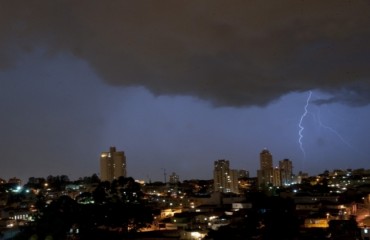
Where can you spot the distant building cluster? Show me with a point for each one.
(13, 180)
(225, 179)
(335, 201)
(268, 175)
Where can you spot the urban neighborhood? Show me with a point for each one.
(277, 204)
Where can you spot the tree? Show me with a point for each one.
(57, 218)
(99, 195)
(35, 183)
(57, 182)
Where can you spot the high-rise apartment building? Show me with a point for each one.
(276, 177)
(243, 173)
(265, 174)
(286, 172)
(265, 160)
(225, 179)
(174, 178)
(112, 165)
(220, 175)
(234, 181)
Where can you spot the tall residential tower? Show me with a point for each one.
(265, 174)
(112, 165)
(286, 169)
(225, 179)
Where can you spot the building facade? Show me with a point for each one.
(225, 179)
(286, 172)
(265, 174)
(243, 174)
(174, 178)
(234, 178)
(276, 177)
(112, 165)
(265, 160)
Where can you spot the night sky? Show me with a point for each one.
(180, 84)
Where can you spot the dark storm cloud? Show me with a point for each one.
(235, 53)
(353, 95)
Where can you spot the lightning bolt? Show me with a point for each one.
(334, 132)
(301, 128)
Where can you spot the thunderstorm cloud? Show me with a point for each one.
(233, 53)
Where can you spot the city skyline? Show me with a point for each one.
(177, 86)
